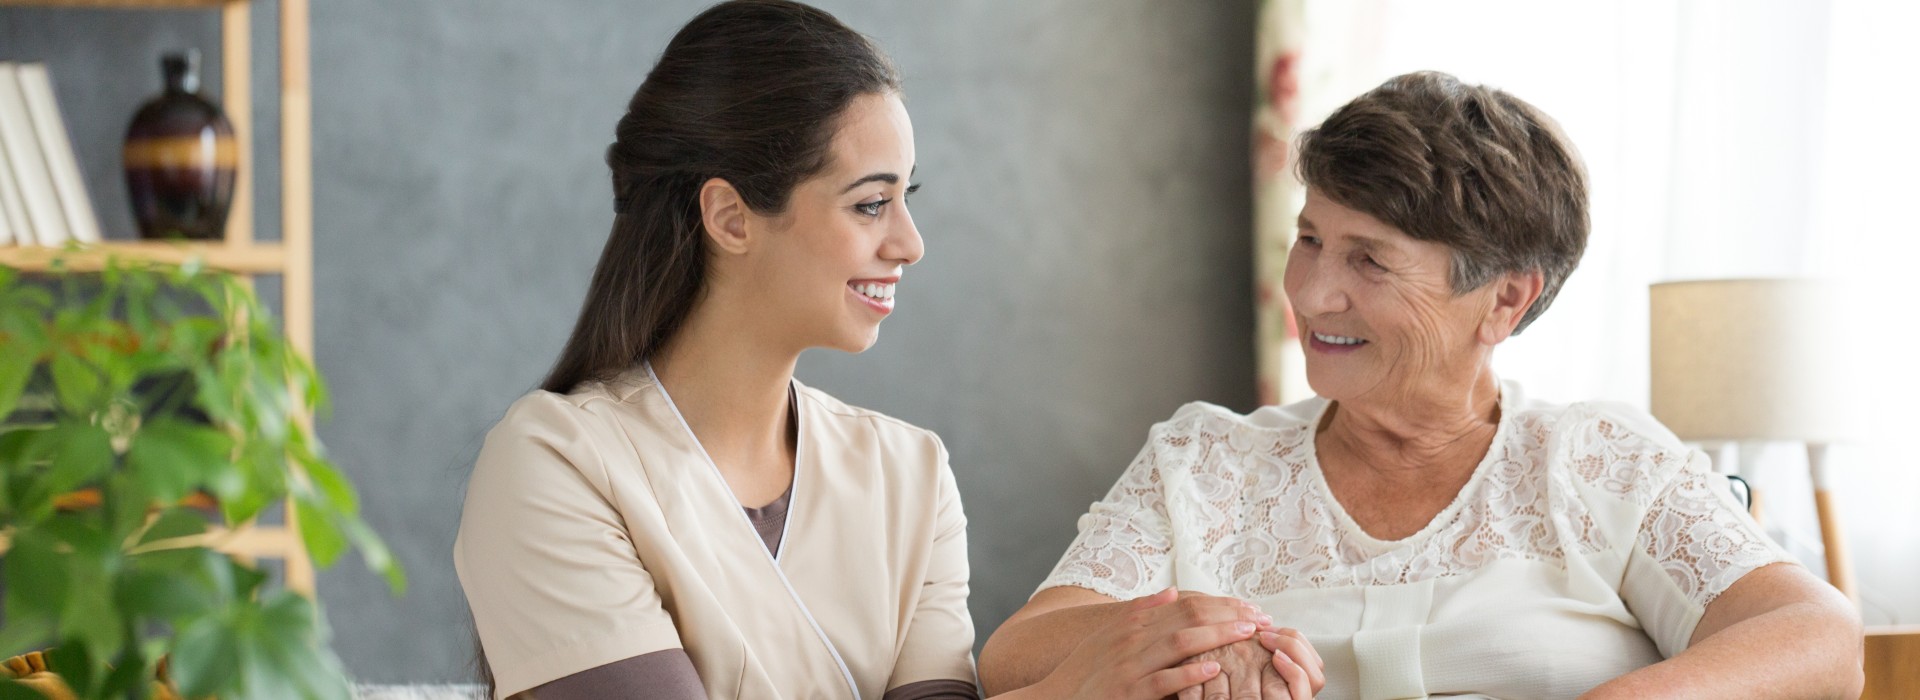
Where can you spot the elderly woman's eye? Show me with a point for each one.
(1371, 263)
(1309, 241)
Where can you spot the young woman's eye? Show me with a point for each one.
(908, 198)
(871, 208)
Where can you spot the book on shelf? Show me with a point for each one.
(63, 167)
(12, 204)
(30, 172)
(6, 225)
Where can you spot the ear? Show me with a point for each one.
(1513, 294)
(723, 215)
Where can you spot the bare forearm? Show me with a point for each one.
(1802, 650)
(1020, 654)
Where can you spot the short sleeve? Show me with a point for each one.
(553, 582)
(1693, 544)
(938, 643)
(1125, 546)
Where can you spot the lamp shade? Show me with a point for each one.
(1754, 360)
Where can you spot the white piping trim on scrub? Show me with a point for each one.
(793, 404)
(845, 674)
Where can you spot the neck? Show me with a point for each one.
(1416, 430)
(731, 387)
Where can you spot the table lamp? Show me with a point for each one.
(1760, 360)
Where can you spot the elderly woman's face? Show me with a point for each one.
(1377, 315)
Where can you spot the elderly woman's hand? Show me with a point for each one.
(1140, 654)
(1278, 665)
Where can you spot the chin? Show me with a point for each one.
(856, 342)
(1330, 388)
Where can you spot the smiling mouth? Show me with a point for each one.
(1339, 340)
(876, 294)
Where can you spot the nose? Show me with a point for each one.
(903, 243)
(1312, 289)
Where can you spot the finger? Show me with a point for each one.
(1178, 679)
(1215, 688)
(1298, 685)
(1272, 686)
(1195, 640)
(1197, 613)
(1190, 693)
(1296, 649)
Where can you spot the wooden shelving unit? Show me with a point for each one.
(257, 259)
(291, 257)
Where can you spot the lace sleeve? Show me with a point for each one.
(1700, 540)
(1125, 542)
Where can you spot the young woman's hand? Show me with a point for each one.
(1295, 661)
(1276, 665)
(1147, 652)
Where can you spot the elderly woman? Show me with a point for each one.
(1427, 528)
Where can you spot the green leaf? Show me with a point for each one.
(290, 647)
(80, 666)
(81, 452)
(376, 555)
(16, 367)
(175, 522)
(162, 595)
(130, 671)
(24, 633)
(324, 539)
(170, 458)
(333, 487)
(77, 385)
(205, 658)
(36, 575)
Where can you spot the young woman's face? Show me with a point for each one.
(835, 256)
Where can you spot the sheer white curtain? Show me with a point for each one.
(1724, 139)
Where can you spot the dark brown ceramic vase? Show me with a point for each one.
(180, 158)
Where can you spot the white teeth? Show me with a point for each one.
(1336, 339)
(874, 290)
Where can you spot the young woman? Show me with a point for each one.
(674, 516)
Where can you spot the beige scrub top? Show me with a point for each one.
(597, 529)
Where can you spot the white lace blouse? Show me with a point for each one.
(1586, 544)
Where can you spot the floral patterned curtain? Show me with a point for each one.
(1277, 196)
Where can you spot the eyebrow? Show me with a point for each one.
(1361, 241)
(888, 178)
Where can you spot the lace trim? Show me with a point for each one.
(1250, 513)
(1699, 541)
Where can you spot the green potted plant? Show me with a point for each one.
(148, 413)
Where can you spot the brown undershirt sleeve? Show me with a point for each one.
(666, 674)
(935, 690)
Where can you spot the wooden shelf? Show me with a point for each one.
(291, 257)
(124, 4)
(253, 541)
(252, 258)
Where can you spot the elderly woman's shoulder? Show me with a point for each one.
(1614, 422)
(1614, 446)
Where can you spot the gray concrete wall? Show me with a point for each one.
(1086, 212)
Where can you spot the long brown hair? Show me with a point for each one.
(748, 92)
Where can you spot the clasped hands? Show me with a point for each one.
(1195, 646)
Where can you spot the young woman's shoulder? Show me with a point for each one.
(889, 432)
